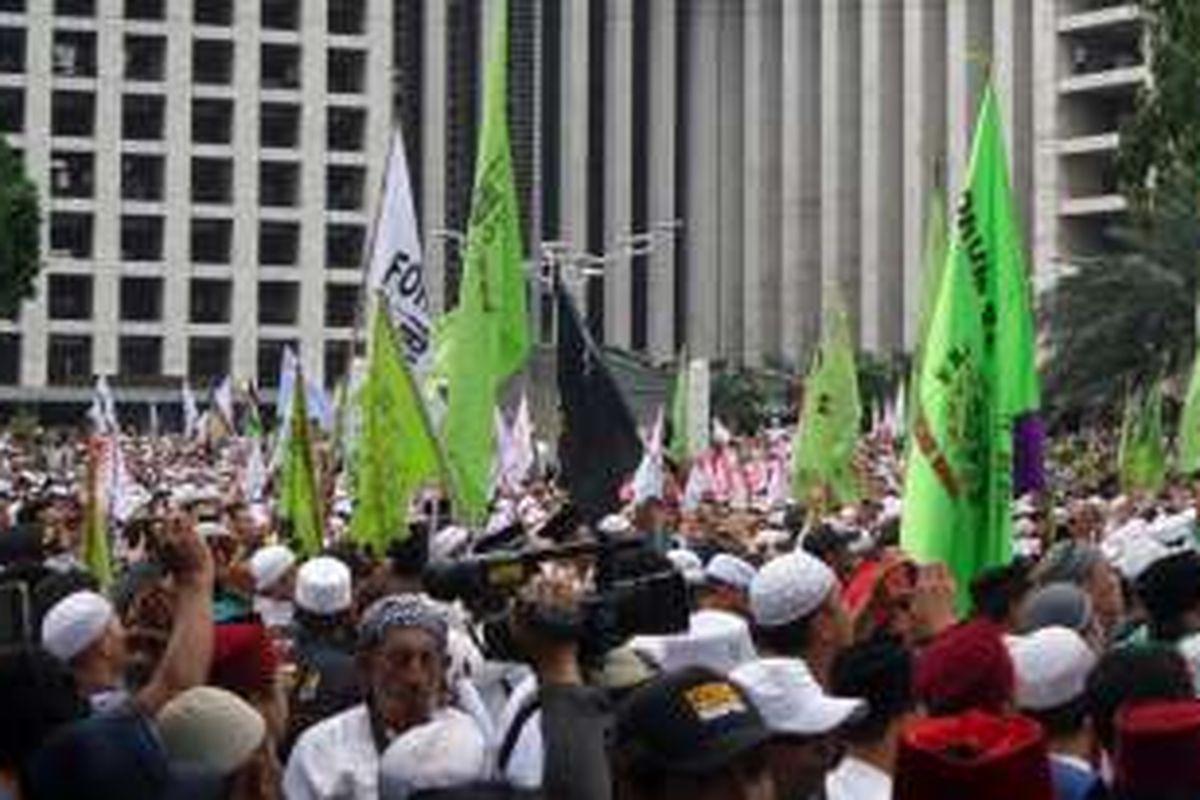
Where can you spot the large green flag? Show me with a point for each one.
(679, 447)
(398, 452)
(1189, 424)
(823, 453)
(933, 265)
(1142, 460)
(96, 556)
(978, 380)
(488, 334)
(299, 493)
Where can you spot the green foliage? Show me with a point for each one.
(20, 244)
(739, 399)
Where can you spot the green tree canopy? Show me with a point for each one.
(20, 221)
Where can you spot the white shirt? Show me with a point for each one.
(855, 779)
(336, 759)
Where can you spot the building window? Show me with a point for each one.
(12, 110)
(142, 117)
(72, 174)
(212, 12)
(279, 125)
(72, 113)
(144, 9)
(278, 303)
(346, 71)
(68, 359)
(278, 243)
(337, 362)
(212, 121)
(209, 301)
(141, 177)
(344, 246)
(139, 357)
(10, 359)
(141, 299)
(341, 305)
(12, 50)
(208, 359)
(145, 57)
(141, 237)
(70, 296)
(281, 14)
(14, 6)
(270, 356)
(344, 188)
(278, 184)
(346, 129)
(212, 241)
(212, 180)
(280, 66)
(346, 16)
(74, 54)
(71, 234)
(212, 61)
(75, 8)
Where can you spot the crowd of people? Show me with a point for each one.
(809, 658)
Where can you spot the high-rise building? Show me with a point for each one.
(207, 170)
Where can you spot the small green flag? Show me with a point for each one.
(398, 452)
(1189, 424)
(933, 265)
(299, 492)
(977, 378)
(95, 532)
(679, 448)
(487, 335)
(826, 437)
(1142, 459)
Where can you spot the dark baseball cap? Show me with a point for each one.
(693, 721)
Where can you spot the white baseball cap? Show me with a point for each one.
(75, 623)
(715, 639)
(1052, 667)
(269, 564)
(729, 570)
(789, 588)
(791, 701)
(323, 586)
(687, 563)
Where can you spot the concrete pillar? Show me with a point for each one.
(573, 133)
(433, 151)
(729, 109)
(176, 279)
(35, 142)
(664, 89)
(618, 169)
(1044, 230)
(106, 265)
(244, 328)
(703, 179)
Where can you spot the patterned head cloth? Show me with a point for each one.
(401, 611)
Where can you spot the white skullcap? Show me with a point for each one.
(615, 524)
(1052, 667)
(323, 586)
(715, 639)
(449, 543)
(687, 563)
(791, 701)
(269, 564)
(445, 752)
(789, 588)
(729, 570)
(1175, 531)
(211, 530)
(210, 728)
(75, 623)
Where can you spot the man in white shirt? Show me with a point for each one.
(881, 672)
(402, 659)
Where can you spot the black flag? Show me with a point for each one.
(599, 447)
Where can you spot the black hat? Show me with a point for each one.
(881, 672)
(1171, 586)
(693, 721)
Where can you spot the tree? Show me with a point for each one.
(20, 241)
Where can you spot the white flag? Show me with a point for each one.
(396, 268)
(223, 399)
(524, 455)
(648, 480)
(191, 414)
(699, 380)
(103, 412)
(254, 471)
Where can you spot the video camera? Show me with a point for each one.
(20, 548)
(637, 592)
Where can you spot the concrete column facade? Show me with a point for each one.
(433, 152)
(178, 177)
(731, 131)
(573, 133)
(1045, 221)
(664, 89)
(702, 83)
(33, 324)
(618, 170)
(244, 303)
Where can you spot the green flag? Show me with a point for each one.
(1142, 462)
(977, 378)
(398, 452)
(95, 533)
(679, 449)
(1189, 424)
(299, 493)
(823, 454)
(487, 336)
(933, 264)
